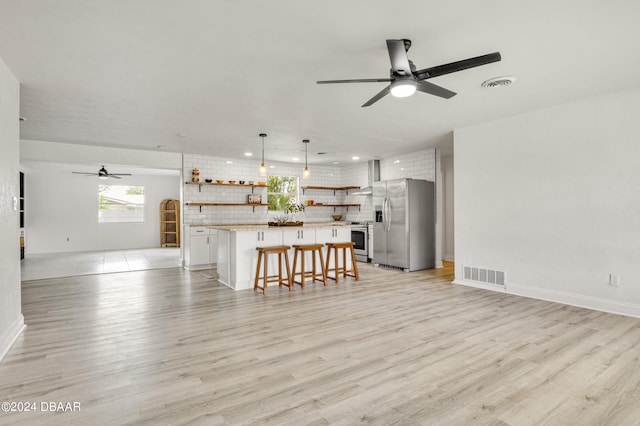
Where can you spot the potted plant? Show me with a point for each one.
(292, 207)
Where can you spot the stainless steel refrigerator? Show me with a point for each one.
(404, 224)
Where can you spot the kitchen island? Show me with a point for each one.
(236, 247)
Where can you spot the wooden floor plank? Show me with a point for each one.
(177, 347)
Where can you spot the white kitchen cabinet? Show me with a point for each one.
(338, 234)
(213, 246)
(238, 257)
(201, 248)
(243, 264)
(299, 236)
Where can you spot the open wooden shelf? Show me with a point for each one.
(330, 188)
(254, 205)
(170, 223)
(250, 185)
(334, 206)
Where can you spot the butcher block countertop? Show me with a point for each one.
(262, 227)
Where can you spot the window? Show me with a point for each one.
(120, 203)
(280, 190)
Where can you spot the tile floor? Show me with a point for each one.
(56, 265)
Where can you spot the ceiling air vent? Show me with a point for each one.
(494, 83)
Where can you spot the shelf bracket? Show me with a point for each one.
(200, 209)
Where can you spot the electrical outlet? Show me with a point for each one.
(614, 280)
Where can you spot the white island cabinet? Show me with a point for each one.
(336, 234)
(201, 247)
(243, 256)
(238, 257)
(298, 236)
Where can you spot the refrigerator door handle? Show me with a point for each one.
(387, 214)
(384, 213)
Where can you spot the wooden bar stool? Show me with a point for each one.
(313, 274)
(353, 272)
(266, 278)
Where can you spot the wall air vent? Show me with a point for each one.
(484, 275)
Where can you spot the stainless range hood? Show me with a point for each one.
(374, 176)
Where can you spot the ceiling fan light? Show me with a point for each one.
(403, 88)
(103, 177)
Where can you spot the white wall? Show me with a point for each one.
(61, 205)
(552, 197)
(11, 319)
(448, 198)
(55, 152)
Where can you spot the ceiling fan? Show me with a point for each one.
(404, 79)
(103, 174)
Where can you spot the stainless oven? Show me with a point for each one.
(359, 235)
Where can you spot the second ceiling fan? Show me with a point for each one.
(104, 174)
(404, 79)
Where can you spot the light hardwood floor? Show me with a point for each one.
(175, 347)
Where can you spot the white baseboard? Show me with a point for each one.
(474, 284)
(9, 337)
(579, 300)
(200, 267)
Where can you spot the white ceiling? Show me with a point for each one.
(136, 73)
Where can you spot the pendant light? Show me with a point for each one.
(263, 167)
(306, 173)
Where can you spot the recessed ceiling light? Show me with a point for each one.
(494, 83)
(272, 167)
(295, 159)
(355, 157)
(396, 162)
(229, 162)
(336, 162)
(248, 154)
(181, 135)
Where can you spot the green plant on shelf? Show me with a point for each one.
(292, 207)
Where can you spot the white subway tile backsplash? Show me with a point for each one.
(419, 165)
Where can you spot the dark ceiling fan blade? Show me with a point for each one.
(433, 89)
(119, 174)
(114, 176)
(86, 174)
(361, 80)
(398, 56)
(381, 94)
(457, 66)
